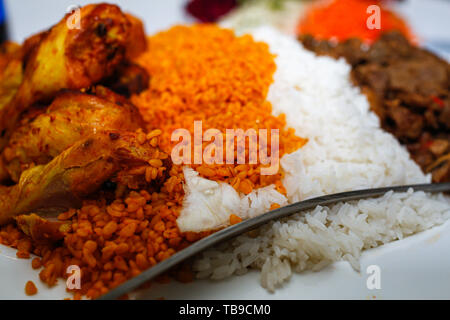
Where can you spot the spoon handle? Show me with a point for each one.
(247, 225)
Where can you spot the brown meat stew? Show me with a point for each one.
(408, 88)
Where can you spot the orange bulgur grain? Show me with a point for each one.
(206, 73)
(30, 288)
(36, 263)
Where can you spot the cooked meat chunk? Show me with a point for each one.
(408, 125)
(408, 88)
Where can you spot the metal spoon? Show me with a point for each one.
(253, 223)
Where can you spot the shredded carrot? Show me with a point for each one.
(344, 19)
(234, 219)
(274, 206)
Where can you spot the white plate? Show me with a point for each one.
(417, 267)
(414, 268)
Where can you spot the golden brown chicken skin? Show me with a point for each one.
(68, 58)
(11, 73)
(77, 172)
(137, 42)
(71, 117)
(42, 230)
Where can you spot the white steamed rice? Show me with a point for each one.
(347, 150)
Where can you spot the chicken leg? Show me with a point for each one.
(71, 117)
(75, 173)
(69, 58)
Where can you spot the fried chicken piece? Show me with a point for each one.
(69, 58)
(71, 117)
(129, 79)
(11, 73)
(8, 50)
(137, 42)
(42, 230)
(29, 46)
(75, 173)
